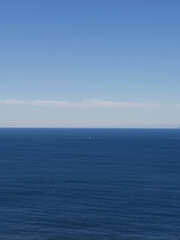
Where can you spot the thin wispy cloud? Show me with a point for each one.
(83, 103)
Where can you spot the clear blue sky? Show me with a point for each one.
(90, 63)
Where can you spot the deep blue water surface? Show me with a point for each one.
(89, 184)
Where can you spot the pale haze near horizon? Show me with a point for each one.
(90, 63)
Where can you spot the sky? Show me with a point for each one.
(90, 63)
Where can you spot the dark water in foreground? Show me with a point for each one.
(60, 184)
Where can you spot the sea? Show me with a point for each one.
(89, 184)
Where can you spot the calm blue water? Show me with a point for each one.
(60, 184)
